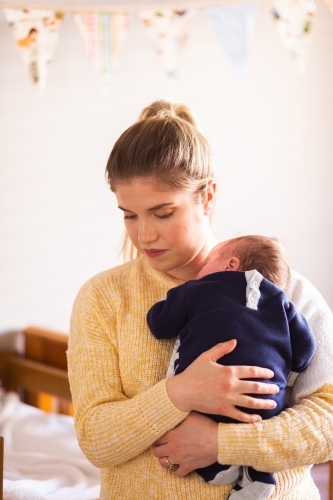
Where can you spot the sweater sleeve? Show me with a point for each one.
(270, 445)
(167, 317)
(111, 428)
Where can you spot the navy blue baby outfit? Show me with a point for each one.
(270, 333)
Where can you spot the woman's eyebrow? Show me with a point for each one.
(124, 209)
(156, 207)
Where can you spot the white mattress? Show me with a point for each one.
(42, 458)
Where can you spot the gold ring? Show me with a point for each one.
(171, 467)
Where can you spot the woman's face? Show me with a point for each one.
(168, 226)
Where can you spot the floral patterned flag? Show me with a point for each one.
(234, 25)
(294, 19)
(36, 34)
(103, 34)
(169, 31)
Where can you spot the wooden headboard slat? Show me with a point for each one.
(36, 377)
(46, 334)
(45, 346)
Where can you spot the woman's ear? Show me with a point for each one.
(210, 197)
(233, 264)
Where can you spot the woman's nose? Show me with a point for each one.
(147, 233)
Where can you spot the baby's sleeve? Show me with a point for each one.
(302, 339)
(167, 317)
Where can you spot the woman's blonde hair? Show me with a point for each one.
(164, 145)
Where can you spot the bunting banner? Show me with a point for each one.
(169, 31)
(103, 34)
(234, 25)
(36, 35)
(294, 19)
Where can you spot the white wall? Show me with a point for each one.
(272, 140)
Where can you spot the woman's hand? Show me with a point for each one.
(209, 387)
(192, 444)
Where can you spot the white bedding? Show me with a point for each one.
(42, 458)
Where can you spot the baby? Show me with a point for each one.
(250, 306)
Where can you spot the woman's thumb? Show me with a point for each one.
(220, 350)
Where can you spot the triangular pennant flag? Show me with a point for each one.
(294, 19)
(234, 25)
(103, 34)
(169, 31)
(36, 33)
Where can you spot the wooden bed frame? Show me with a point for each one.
(40, 377)
(40, 374)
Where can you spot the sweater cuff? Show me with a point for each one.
(238, 444)
(158, 411)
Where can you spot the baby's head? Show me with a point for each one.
(245, 253)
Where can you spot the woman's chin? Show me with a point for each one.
(157, 265)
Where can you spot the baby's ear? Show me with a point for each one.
(233, 264)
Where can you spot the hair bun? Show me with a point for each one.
(167, 110)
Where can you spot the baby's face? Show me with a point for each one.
(214, 262)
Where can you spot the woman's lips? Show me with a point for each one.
(152, 254)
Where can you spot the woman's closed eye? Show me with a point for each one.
(158, 216)
(164, 216)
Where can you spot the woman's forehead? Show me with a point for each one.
(147, 194)
(142, 183)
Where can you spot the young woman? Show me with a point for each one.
(146, 432)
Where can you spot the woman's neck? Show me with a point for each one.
(190, 270)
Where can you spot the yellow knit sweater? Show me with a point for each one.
(117, 376)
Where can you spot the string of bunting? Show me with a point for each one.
(117, 6)
(103, 30)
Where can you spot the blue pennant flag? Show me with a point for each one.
(234, 26)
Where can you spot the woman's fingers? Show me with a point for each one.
(254, 387)
(246, 372)
(219, 350)
(160, 450)
(209, 387)
(166, 464)
(251, 403)
(190, 445)
(159, 442)
(245, 418)
(176, 469)
(183, 470)
(252, 372)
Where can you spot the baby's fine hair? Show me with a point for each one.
(164, 145)
(266, 255)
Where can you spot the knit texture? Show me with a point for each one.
(117, 376)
